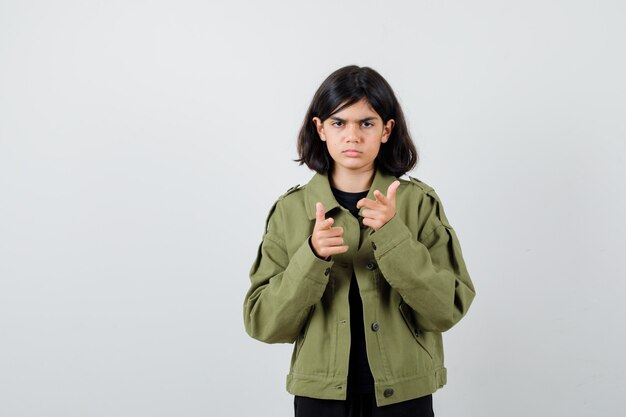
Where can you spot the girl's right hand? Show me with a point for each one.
(326, 240)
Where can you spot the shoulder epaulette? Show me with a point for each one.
(289, 191)
(431, 192)
(425, 187)
(285, 194)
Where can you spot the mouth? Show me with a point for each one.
(351, 152)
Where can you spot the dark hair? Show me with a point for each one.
(341, 89)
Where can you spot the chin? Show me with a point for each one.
(358, 167)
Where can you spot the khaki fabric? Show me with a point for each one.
(412, 279)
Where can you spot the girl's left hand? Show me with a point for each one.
(378, 212)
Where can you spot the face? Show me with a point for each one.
(353, 137)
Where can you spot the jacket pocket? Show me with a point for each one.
(405, 311)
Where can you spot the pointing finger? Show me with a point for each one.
(331, 232)
(380, 197)
(365, 202)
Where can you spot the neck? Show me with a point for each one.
(350, 181)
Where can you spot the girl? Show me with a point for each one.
(360, 270)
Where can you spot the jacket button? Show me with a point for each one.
(327, 271)
(375, 326)
(371, 266)
(388, 392)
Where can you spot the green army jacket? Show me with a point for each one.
(412, 279)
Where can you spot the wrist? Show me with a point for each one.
(315, 252)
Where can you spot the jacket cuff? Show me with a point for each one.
(310, 265)
(389, 236)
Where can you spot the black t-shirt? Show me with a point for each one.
(360, 379)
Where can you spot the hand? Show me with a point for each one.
(326, 240)
(378, 212)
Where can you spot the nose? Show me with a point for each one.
(352, 132)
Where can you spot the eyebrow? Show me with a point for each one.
(339, 119)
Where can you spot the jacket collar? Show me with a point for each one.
(318, 189)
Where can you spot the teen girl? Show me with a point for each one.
(360, 270)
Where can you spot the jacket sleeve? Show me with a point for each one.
(283, 288)
(427, 270)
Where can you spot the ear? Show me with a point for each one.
(319, 125)
(387, 130)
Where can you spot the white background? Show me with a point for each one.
(143, 142)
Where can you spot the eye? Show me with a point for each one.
(368, 124)
(337, 123)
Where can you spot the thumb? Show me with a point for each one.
(391, 192)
